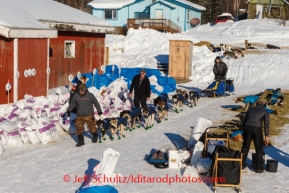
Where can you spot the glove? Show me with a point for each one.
(99, 113)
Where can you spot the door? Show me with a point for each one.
(159, 14)
(178, 61)
(259, 11)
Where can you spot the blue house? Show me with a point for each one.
(163, 15)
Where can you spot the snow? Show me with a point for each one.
(32, 12)
(41, 168)
(109, 4)
(199, 7)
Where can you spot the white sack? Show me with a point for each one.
(13, 138)
(24, 117)
(203, 166)
(23, 134)
(46, 131)
(1, 147)
(7, 125)
(63, 110)
(199, 128)
(28, 101)
(190, 171)
(68, 126)
(12, 108)
(197, 153)
(3, 138)
(33, 137)
(108, 162)
(12, 117)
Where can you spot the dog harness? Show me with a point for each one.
(195, 95)
(152, 110)
(135, 112)
(121, 120)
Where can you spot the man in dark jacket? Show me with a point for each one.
(84, 101)
(142, 90)
(252, 129)
(220, 69)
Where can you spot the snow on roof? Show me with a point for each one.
(164, 2)
(109, 4)
(32, 14)
(196, 6)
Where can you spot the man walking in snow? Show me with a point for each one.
(142, 90)
(220, 69)
(252, 125)
(83, 100)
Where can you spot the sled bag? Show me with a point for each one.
(228, 170)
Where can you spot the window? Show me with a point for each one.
(153, 1)
(188, 16)
(141, 15)
(69, 49)
(110, 14)
(275, 12)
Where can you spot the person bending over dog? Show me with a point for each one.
(84, 101)
(252, 129)
(220, 69)
(141, 86)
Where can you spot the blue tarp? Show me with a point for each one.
(168, 83)
(98, 189)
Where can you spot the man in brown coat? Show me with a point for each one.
(84, 101)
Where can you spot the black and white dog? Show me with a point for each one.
(103, 126)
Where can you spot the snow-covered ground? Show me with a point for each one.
(41, 168)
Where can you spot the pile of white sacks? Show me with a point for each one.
(41, 119)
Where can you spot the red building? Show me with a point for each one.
(40, 48)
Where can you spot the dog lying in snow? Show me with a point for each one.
(149, 114)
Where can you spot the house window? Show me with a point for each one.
(69, 49)
(275, 12)
(153, 1)
(188, 16)
(141, 15)
(110, 14)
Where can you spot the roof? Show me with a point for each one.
(267, 1)
(164, 3)
(196, 6)
(43, 17)
(109, 4)
(117, 4)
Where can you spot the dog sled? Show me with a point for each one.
(211, 140)
(227, 168)
(219, 88)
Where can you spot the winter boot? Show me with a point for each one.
(95, 137)
(80, 140)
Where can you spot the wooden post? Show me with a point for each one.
(106, 56)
